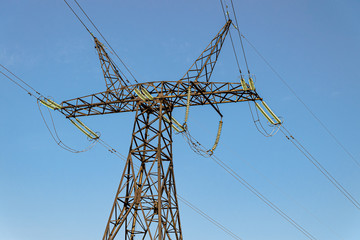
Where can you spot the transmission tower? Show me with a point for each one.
(146, 204)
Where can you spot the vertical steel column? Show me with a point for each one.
(146, 205)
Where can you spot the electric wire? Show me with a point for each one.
(236, 57)
(257, 122)
(282, 192)
(308, 155)
(20, 80)
(207, 217)
(197, 147)
(303, 103)
(182, 199)
(289, 197)
(31, 94)
(123, 63)
(56, 137)
(222, 6)
(294, 141)
(231, 172)
(239, 33)
(252, 189)
(226, 16)
(112, 150)
(94, 37)
(309, 236)
(319, 166)
(78, 17)
(239, 179)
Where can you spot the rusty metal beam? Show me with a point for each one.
(174, 92)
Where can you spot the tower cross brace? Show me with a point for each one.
(145, 204)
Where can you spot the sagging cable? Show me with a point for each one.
(84, 129)
(211, 151)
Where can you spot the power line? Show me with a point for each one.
(78, 17)
(207, 217)
(28, 89)
(321, 168)
(112, 150)
(238, 178)
(123, 63)
(236, 57)
(262, 197)
(231, 39)
(286, 195)
(252, 189)
(292, 139)
(192, 206)
(289, 197)
(303, 103)
(32, 92)
(238, 30)
(56, 137)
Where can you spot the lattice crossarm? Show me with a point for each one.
(175, 93)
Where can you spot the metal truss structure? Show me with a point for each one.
(146, 205)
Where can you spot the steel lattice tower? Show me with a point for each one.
(146, 205)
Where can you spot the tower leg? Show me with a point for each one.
(146, 206)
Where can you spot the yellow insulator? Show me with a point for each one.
(243, 84)
(271, 112)
(86, 127)
(173, 126)
(265, 114)
(217, 138)
(251, 83)
(176, 122)
(47, 104)
(147, 94)
(81, 129)
(177, 129)
(54, 103)
(187, 105)
(137, 91)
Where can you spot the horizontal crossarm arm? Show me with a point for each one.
(176, 93)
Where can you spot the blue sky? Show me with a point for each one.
(48, 193)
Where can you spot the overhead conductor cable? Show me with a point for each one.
(114, 151)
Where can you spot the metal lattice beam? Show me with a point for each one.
(174, 92)
(146, 205)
